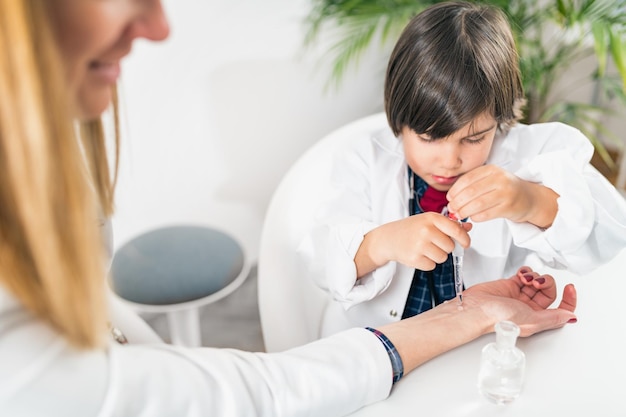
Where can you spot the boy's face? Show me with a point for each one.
(440, 162)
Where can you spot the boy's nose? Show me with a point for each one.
(450, 157)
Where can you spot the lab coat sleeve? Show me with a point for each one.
(42, 375)
(330, 377)
(590, 225)
(342, 220)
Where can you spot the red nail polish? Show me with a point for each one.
(528, 277)
(541, 280)
(572, 320)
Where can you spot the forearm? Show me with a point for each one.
(425, 336)
(543, 206)
(367, 257)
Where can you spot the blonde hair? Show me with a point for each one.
(55, 181)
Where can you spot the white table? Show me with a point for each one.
(579, 370)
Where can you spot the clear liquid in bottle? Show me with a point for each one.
(502, 366)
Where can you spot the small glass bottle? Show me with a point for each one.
(502, 366)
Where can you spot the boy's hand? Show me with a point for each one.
(490, 192)
(420, 241)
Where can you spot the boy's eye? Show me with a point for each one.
(475, 139)
(470, 140)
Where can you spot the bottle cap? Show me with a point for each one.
(506, 334)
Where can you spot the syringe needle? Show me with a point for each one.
(457, 261)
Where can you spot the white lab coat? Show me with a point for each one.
(40, 375)
(370, 187)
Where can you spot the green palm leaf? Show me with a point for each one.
(551, 36)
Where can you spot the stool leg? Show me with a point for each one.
(184, 327)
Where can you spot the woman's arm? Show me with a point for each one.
(332, 376)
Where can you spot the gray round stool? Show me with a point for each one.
(176, 270)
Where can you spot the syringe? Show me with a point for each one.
(457, 261)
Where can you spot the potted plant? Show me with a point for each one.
(552, 36)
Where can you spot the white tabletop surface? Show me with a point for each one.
(579, 370)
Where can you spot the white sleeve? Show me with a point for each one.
(330, 377)
(590, 225)
(329, 251)
(134, 328)
(343, 218)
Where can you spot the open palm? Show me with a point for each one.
(534, 294)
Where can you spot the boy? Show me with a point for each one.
(453, 96)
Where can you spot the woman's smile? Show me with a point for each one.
(107, 72)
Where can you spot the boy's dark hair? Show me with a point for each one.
(453, 61)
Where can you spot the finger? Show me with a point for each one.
(545, 283)
(423, 263)
(452, 229)
(533, 295)
(520, 279)
(538, 291)
(525, 276)
(542, 290)
(485, 207)
(468, 201)
(470, 187)
(548, 320)
(442, 245)
(569, 299)
(436, 253)
(466, 180)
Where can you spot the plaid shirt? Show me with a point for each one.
(428, 288)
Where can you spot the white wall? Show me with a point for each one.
(215, 115)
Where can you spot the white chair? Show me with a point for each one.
(175, 270)
(290, 307)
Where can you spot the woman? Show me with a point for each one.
(60, 60)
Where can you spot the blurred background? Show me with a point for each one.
(215, 115)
